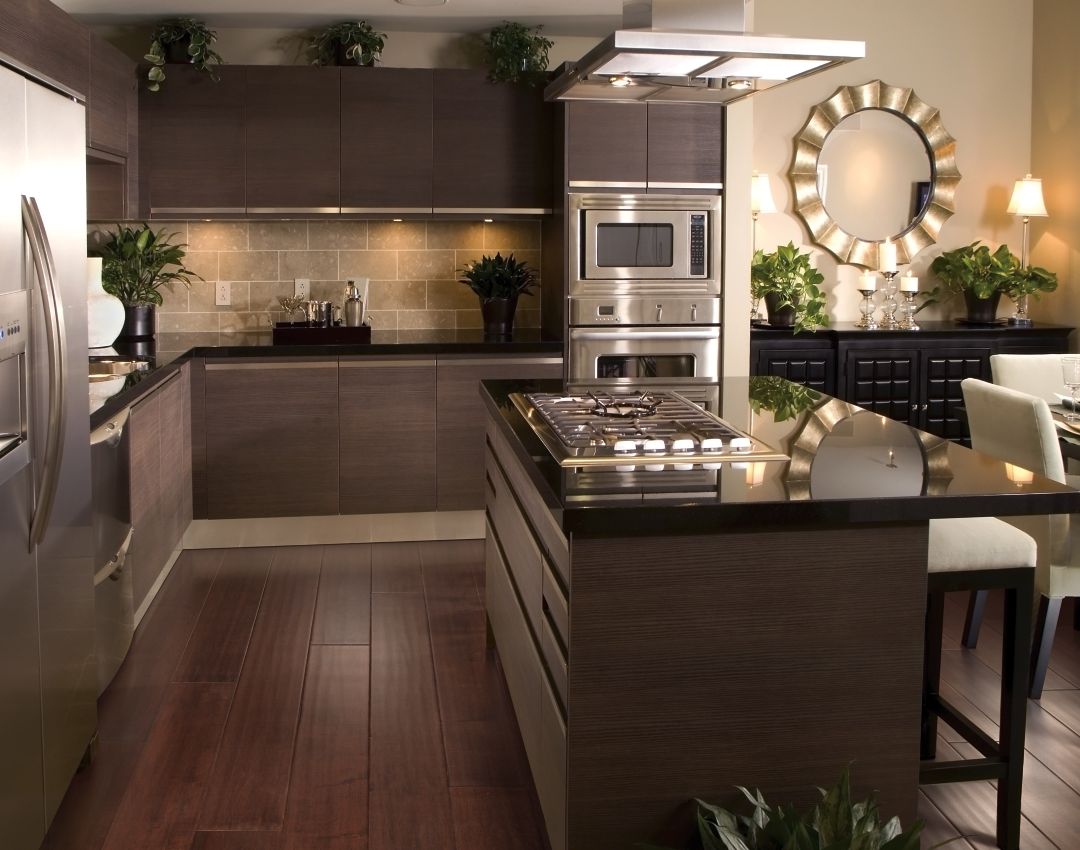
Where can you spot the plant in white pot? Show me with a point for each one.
(498, 281)
(137, 262)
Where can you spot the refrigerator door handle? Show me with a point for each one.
(56, 339)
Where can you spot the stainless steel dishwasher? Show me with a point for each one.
(113, 592)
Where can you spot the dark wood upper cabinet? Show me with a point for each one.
(686, 143)
(47, 41)
(112, 83)
(492, 144)
(293, 139)
(191, 143)
(607, 142)
(386, 138)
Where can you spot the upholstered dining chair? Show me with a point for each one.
(1036, 374)
(1018, 428)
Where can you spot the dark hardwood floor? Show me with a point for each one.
(343, 698)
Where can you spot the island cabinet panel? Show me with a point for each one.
(271, 437)
(112, 83)
(292, 139)
(607, 143)
(387, 435)
(45, 40)
(191, 143)
(492, 144)
(686, 144)
(160, 481)
(460, 416)
(386, 138)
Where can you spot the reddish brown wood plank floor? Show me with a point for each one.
(343, 698)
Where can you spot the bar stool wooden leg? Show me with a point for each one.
(1014, 676)
(973, 621)
(935, 624)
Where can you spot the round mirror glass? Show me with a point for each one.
(874, 174)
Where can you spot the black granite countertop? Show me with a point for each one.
(926, 329)
(164, 354)
(847, 465)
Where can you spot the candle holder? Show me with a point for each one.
(908, 307)
(867, 322)
(888, 306)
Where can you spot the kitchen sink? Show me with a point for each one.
(100, 369)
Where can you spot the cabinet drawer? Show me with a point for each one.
(549, 773)
(555, 605)
(554, 657)
(516, 539)
(520, 661)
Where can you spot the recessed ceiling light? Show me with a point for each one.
(421, 2)
(621, 82)
(488, 220)
(395, 219)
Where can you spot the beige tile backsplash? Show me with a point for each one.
(412, 266)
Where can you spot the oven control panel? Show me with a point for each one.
(14, 328)
(704, 310)
(697, 244)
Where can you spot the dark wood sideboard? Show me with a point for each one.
(911, 376)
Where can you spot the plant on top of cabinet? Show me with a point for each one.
(790, 286)
(137, 263)
(180, 41)
(516, 53)
(347, 43)
(498, 281)
(981, 277)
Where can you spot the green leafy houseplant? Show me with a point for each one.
(347, 43)
(184, 34)
(516, 53)
(137, 262)
(976, 271)
(786, 279)
(835, 823)
(783, 398)
(498, 277)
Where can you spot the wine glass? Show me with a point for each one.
(1070, 371)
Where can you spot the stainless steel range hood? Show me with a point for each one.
(680, 65)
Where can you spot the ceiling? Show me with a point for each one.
(559, 17)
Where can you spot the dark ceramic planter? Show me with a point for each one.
(176, 53)
(138, 322)
(498, 316)
(341, 59)
(981, 311)
(778, 317)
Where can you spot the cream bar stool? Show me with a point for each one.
(978, 555)
(1018, 428)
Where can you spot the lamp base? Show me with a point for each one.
(1023, 323)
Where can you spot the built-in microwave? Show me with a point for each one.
(671, 238)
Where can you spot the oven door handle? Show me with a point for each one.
(611, 335)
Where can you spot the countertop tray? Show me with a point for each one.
(286, 333)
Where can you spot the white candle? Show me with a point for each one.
(868, 282)
(909, 283)
(887, 256)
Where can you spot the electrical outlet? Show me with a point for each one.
(302, 288)
(223, 294)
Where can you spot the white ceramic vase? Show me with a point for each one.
(104, 312)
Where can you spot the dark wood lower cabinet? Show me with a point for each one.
(913, 377)
(160, 446)
(459, 445)
(271, 431)
(387, 435)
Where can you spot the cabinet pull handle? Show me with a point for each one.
(315, 364)
(374, 363)
(495, 360)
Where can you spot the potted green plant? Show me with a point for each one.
(981, 276)
(136, 263)
(789, 283)
(180, 41)
(835, 823)
(498, 281)
(516, 53)
(347, 43)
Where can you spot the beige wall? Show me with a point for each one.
(969, 58)
(1055, 150)
(412, 265)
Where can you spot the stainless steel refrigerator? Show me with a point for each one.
(48, 710)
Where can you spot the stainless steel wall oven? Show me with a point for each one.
(645, 291)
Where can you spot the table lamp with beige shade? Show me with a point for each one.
(1026, 201)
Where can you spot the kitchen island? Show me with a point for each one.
(668, 634)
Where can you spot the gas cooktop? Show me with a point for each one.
(654, 428)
